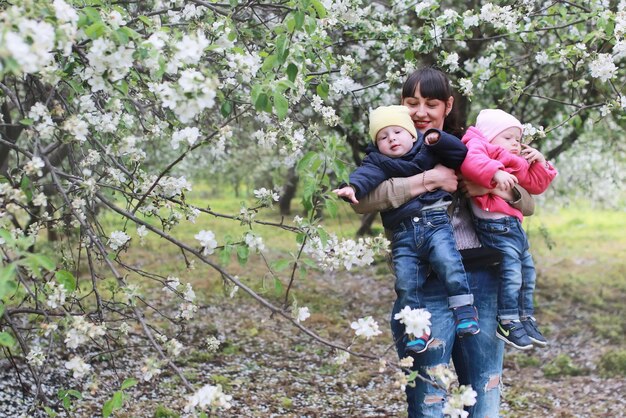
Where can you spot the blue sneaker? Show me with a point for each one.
(418, 345)
(466, 320)
(513, 333)
(530, 326)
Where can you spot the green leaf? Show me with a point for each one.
(6, 339)
(107, 408)
(278, 286)
(92, 14)
(292, 72)
(27, 121)
(281, 48)
(269, 63)
(331, 207)
(26, 187)
(122, 86)
(225, 254)
(67, 279)
(129, 32)
(96, 30)
(50, 411)
(280, 265)
(7, 282)
(129, 383)
(261, 102)
(226, 108)
(43, 261)
(281, 104)
(322, 90)
(2, 307)
(298, 19)
(305, 161)
(319, 8)
(145, 20)
(284, 85)
(112, 404)
(243, 252)
(255, 92)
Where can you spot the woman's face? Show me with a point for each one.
(427, 112)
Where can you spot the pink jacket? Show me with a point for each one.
(484, 159)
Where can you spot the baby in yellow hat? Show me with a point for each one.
(422, 233)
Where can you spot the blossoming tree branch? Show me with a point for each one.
(112, 109)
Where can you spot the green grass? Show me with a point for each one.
(578, 253)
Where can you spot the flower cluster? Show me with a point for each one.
(78, 367)
(346, 252)
(118, 239)
(208, 397)
(416, 321)
(193, 93)
(266, 197)
(82, 330)
(300, 314)
(207, 241)
(365, 327)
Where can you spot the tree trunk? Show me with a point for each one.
(366, 224)
(289, 191)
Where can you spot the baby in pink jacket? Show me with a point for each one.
(497, 158)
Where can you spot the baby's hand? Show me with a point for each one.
(432, 138)
(504, 181)
(532, 155)
(347, 192)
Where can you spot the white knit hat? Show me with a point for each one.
(490, 122)
(384, 116)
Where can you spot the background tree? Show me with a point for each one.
(113, 109)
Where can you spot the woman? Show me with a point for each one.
(428, 95)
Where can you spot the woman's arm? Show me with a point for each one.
(397, 191)
(517, 197)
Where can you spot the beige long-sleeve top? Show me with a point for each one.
(396, 191)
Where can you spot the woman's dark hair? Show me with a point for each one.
(434, 84)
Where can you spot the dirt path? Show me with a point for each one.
(272, 371)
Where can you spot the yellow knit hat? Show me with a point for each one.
(384, 116)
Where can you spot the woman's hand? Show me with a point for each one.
(441, 177)
(471, 189)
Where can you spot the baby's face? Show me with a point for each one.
(509, 139)
(394, 141)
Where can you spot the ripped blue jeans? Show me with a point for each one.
(477, 359)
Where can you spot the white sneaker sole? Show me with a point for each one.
(519, 347)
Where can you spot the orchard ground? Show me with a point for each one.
(271, 369)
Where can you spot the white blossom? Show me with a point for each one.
(150, 369)
(34, 167)
(451, 61)
(210, 397)
(301, 314)
(603, 67)
(406, 362)
(212, 344)
(255, 243)
(416, 321)
(458, 400)
(341, 358)
(57, 296)
(117, 240)
(35, 356)
(78, 367)
(174, 347)
(365, 327)
(207, 241)
(466, 87)
(541, 57)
